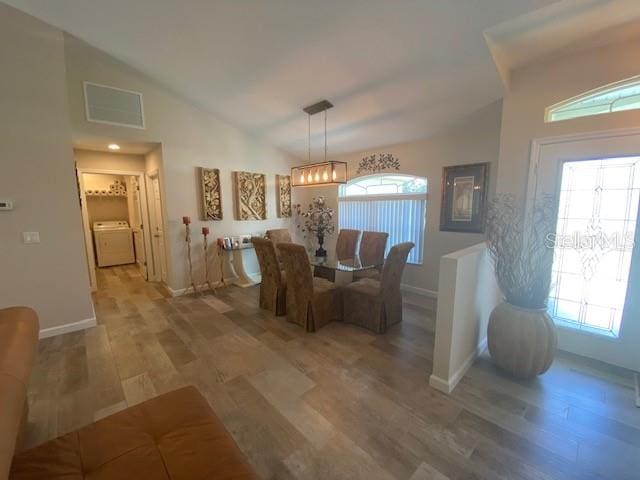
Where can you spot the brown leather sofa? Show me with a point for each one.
(18, 341)
(173, 436)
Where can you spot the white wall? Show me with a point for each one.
(468, 294)
(42, 85)
(104, 208)
(36, 172)
(540, 85)
(89, 159)
(97, 181)
(190, 137)
(474, 140)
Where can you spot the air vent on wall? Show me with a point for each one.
(112, 105)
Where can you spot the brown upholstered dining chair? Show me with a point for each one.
(374, 304)
(372, 246)
(279, 235)
(273, 288)
(347, 243)
(311, 302)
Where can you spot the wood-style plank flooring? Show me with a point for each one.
(342, 403)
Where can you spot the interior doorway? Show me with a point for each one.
(114, 212)
(121, 208)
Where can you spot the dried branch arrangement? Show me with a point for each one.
(518, 244)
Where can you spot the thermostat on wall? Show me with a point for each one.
(6, 204)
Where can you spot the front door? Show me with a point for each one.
(594, 297)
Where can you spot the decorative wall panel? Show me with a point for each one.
(211, 195)
(249, 195)
(283, 191)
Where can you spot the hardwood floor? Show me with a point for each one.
(342, 403)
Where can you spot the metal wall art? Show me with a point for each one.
(378, 162)
(249, 194)
(211, 195)
(283, 189)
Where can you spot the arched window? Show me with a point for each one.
(617, 97)
(396, 204)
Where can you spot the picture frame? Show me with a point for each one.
(283, 192)
(250, 195)
(211, 194)
(464, 198)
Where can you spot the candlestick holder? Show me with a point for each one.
(220, 245)
(187, 237)
(205, 234)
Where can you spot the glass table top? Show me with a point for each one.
(331, 262)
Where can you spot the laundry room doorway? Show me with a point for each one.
(119, 216)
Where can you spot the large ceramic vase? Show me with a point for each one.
(521, 341)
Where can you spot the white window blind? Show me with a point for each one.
(402, 218)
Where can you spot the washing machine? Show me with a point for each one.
(114, 243)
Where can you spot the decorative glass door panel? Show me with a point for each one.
(593, 244)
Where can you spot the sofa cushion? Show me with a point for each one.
(18, 344)
(18, 341)
(173, 436)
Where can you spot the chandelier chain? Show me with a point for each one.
(325, 135)
(309, 138)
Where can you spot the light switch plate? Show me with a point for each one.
(31, 237)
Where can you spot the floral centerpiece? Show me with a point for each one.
(316, 220)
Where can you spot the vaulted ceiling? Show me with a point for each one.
(395, 70)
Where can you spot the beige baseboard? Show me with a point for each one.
(447, 385)
(228, 281)
(181, 291)
(67, 328)
(418, 290)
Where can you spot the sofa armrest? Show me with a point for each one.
(18, 344)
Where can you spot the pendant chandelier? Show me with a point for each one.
(324, 173)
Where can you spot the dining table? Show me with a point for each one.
(339, 270)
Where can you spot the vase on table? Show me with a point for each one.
(316, 221)
(321, 252)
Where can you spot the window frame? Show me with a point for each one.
(378, 197)
(359, 179)
(612, 87)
